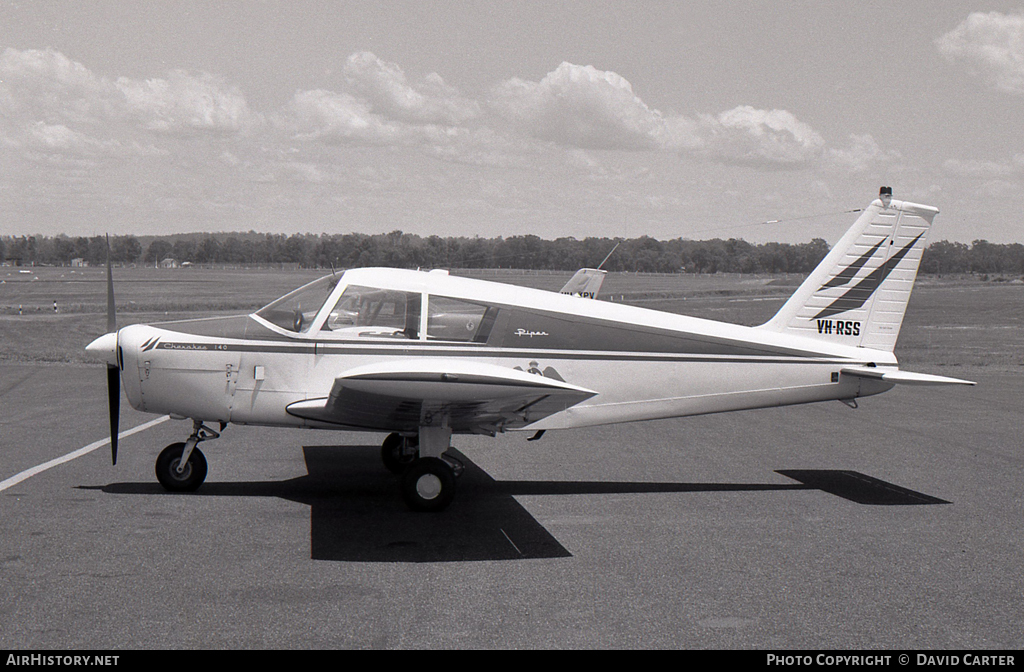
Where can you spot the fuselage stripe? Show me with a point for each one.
(402, 351)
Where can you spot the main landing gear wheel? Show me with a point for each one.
(190, 478)
(428, 484)
(398, 452)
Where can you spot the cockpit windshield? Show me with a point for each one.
(295, 311)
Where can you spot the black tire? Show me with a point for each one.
(167, 464)
(428, 484)
(398, 452)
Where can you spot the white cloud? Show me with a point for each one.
(46, 86)
(58, 136)
(383, 86)
(681, 133)
(52, 105)
(378, 106)
(230, 159)
(580, 106)
(185, 102)
(486, 147)
(760, 137)
(861, 154)
(304, 172)
(325, 113)
(573, 106)
(992, 44)
(342, 117)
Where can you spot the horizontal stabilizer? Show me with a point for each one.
(903, 377)
(468, 397)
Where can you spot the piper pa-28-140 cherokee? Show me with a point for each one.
(423, 355)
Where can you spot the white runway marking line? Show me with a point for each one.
(29, 473)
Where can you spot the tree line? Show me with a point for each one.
(404, 250)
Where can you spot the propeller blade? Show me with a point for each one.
(114, 402)
(113, 371)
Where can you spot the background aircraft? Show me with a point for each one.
(586, 282)
(425, 355)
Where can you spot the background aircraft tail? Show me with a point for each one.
(859, 292)
(586, 283)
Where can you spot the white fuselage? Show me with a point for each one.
(249, 373)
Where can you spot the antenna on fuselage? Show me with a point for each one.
(608, 256)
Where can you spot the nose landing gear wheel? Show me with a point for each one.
(190, 478)
(428, 484)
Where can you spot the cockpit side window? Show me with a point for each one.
(370, 312)
(295, 311)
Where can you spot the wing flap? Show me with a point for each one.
(469, 397)
(902, 377)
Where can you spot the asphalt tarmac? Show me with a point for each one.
(896, 526)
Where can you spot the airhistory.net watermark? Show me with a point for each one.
(57, 660)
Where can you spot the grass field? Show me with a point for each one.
(950, 321)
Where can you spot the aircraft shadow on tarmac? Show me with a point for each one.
(357, 515)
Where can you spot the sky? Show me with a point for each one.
(768, 121)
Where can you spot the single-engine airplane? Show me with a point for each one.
(423, 355)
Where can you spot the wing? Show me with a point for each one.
(406, 395)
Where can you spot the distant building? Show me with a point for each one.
(169, 263)
(79, 262)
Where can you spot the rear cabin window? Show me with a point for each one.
(370, 312)
(459, 320)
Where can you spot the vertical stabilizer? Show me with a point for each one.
(586, 283)
(859, 292)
